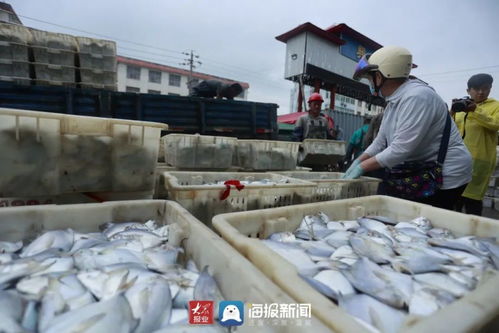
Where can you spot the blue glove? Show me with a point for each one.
(352, 166)
(354, 172)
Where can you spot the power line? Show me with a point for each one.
(460, 71)
(100, 35)
(192, 63)
(148, 52)
(138, 44)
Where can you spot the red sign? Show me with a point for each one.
(201, 312)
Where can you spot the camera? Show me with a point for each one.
(461, 104)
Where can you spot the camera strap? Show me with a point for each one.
(464, 125)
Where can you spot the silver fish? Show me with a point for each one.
(465, 276)
(422, 223)
(12, 307)
(367, 247)
(467, 244)
(10, 247)
(493, 250)
(418, 259)
(335, 281)
(317, 248)
(5, 258)
(373, 225)
(293, 254)
(206, 288)
(310, 227)
(179, 316)
(110, 229)
(423, 303)
(283, 237)
(113, 315)
(151, 304)
(462, 258)
(373, 312)
(339, 238)
(440, 233)
(363, 275)
(345, 254)
(30, 317)
(92, 258)
(146, 237)
(161, 258)
(55, 239)
(384, 219)
(443, 282)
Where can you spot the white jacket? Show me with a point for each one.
(412, 128)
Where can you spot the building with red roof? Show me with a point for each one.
(140, 76)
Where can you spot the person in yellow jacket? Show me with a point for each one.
(478, 125)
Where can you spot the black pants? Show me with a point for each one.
(444, 198)
(471, 206)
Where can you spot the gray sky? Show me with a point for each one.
(450, 39)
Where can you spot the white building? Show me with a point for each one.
(145, 77)
(7, 14)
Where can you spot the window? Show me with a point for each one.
(155, 76)
(133, 89)
(150, 91)
(359, 103)
(174, 80)
(133, 72)
(241, 95)
(173, 94)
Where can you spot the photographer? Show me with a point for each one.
(417, 144)
(478, 121)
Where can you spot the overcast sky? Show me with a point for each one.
(450, 39)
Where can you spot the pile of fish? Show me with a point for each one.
(123, 279)
(380, 270)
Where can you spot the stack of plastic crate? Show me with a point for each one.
(14, 56)
(54, 57)
(97, 63)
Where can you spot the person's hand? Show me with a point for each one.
(350, 169)
(354, 173)
(470, 107)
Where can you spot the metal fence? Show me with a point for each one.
(347, 121)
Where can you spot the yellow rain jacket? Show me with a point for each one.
(481, 139)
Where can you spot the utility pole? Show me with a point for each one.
(192, 63)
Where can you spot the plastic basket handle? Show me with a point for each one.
(228, 183)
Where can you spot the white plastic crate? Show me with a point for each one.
(49, 74)
(199, 152)
(47, 154)
(260, 155)
(321, 152)
(97, 77)
(14, 70)
(203, 201)
(235, 276)
(75, 198)
(469, 314)
(14, 41)
(53, 48)
(97, 53)
(330, 186)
